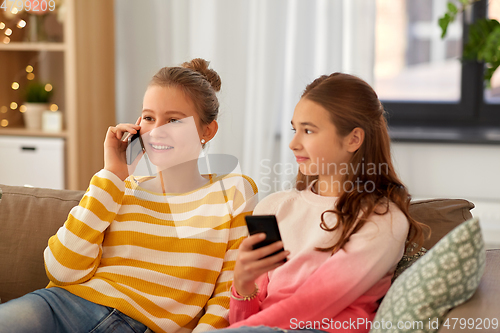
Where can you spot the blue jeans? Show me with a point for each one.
(57, 310)
(265, 329)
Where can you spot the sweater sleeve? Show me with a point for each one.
(73, 253)
(347, 275)
(241, 309)
(217, 307)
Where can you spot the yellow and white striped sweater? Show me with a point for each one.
(166, 261)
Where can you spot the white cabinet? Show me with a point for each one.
(32, 161)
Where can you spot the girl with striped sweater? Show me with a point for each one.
(141, 254)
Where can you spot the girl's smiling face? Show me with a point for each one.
(317, 147)
(170, 127)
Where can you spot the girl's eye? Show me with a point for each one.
(294, 130)
(308, 131)
(175, 120)
(147, 118)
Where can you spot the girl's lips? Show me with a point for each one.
(160, 147)
(301, 158)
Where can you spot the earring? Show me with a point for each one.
(202, 141)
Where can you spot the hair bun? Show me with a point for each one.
(201, 66)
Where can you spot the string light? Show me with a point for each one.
(21, 24)
(54, 107)
(22, 108)
(29, 69)
(2, 25)
(6, 40)
(4, 123)
(30, 76)
(48, 87)
(8, 32)
(15, 85)
(3, 109)
(13, 105)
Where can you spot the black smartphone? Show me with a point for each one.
(135, 147)
(266, 224)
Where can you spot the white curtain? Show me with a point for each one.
(266, 52)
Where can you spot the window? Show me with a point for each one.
(429, 93)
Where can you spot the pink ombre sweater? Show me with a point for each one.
(314, 289)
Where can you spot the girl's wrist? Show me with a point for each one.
(122, 176)
(245, 296)
(245, 288)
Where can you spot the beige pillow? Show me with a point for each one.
(442, 215)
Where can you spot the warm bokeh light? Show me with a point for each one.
(30, 76)
(2, 25)
(4, 123)
(29, 69)
(8, 32)
(54, 107)
(48, 87)
(13, 105)
(15, 85)
(21, 24)
(3, 109)
(15, 11)
(22, 108)
(6, 40)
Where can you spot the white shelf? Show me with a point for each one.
(25, 46)
(13, 131)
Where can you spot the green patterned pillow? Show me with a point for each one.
(446, 276)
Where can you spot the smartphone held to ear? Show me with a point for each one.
(266, 224)
(135, 147)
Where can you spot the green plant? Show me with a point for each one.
(483, 42)
(37, 92)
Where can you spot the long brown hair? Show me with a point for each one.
(351, 103)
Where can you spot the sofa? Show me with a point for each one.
(29, 216)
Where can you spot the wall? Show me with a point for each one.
(471, 172)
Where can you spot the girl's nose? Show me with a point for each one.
(294, 144)
(159, 131)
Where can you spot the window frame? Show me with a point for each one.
(471, 115)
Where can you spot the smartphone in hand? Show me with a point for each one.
(135, 147)
(266, 224)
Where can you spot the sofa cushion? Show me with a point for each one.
(441, 215)
(28, 217)
(443, 278)
(483, 307)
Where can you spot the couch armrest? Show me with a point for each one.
(28, 217)
(484, 303)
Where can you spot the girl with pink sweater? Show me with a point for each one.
(344, 227)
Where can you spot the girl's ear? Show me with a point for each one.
(210, 130)
(355, 139)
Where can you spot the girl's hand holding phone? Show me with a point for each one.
(251, 263)
(115, 148)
